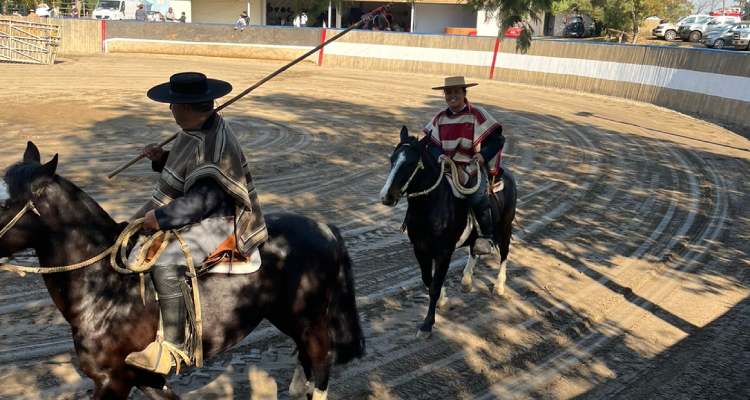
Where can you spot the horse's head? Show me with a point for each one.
(20, 191)
(405, 162)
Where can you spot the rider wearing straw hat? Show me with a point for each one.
(205, 191)
(464, 132)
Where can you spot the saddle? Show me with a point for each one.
(226, 259)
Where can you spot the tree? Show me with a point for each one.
(515, 13)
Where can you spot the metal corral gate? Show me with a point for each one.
(28, 42)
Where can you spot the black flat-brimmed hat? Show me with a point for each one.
(189, 88)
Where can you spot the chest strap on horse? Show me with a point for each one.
(452, 175)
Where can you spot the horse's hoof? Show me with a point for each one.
(301, 393)
(499, 292)
(424, 335)
(467, 286)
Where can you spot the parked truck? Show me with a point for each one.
(115, 9)
(125, 9)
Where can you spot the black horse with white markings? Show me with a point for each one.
(437, 221)
(305, 286)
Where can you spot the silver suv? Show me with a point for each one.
(694, 29)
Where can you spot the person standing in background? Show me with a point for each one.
(170, 15)
(241, 23)
(140, 13)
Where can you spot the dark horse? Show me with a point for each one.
(305, 287)
(437, 221)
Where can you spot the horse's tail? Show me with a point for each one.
(346, 331)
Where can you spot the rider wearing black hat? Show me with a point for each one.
(205, 191)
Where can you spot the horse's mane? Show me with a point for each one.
(86, 209)
(85, 200)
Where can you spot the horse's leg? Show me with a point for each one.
(441, 270)
(506, 229)
(300, 385)
(425, 265)
(501, 278)
(468, 278)
(443, 301)
(298, 388)
(317, 346)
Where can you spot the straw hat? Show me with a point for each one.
(455, 81)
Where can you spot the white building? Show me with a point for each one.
(421, 16)
(227, 11)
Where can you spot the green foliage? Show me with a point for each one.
(625, 15)
(672, 10)
(9, 6)
(516, 13)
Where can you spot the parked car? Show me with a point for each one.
(576, 27)
(723, 37)
(694, 31)
(666, 30)
(741, 39)
(513, 32)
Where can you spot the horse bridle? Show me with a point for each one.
(419, 167)
(29, 206)
(454, 176)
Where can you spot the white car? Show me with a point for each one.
(666, 30)
(742, 39)
(42, 11)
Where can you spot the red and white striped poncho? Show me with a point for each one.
(461, 134)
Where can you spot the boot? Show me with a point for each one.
(160, 356)
(485, 244)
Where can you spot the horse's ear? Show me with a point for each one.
(31, 153)
(404, 133)
(50, 167)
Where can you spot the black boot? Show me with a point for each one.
(171, 302)
(485, 244)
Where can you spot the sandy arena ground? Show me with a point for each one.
(629, 272)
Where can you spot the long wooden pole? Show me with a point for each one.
(261, 82)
